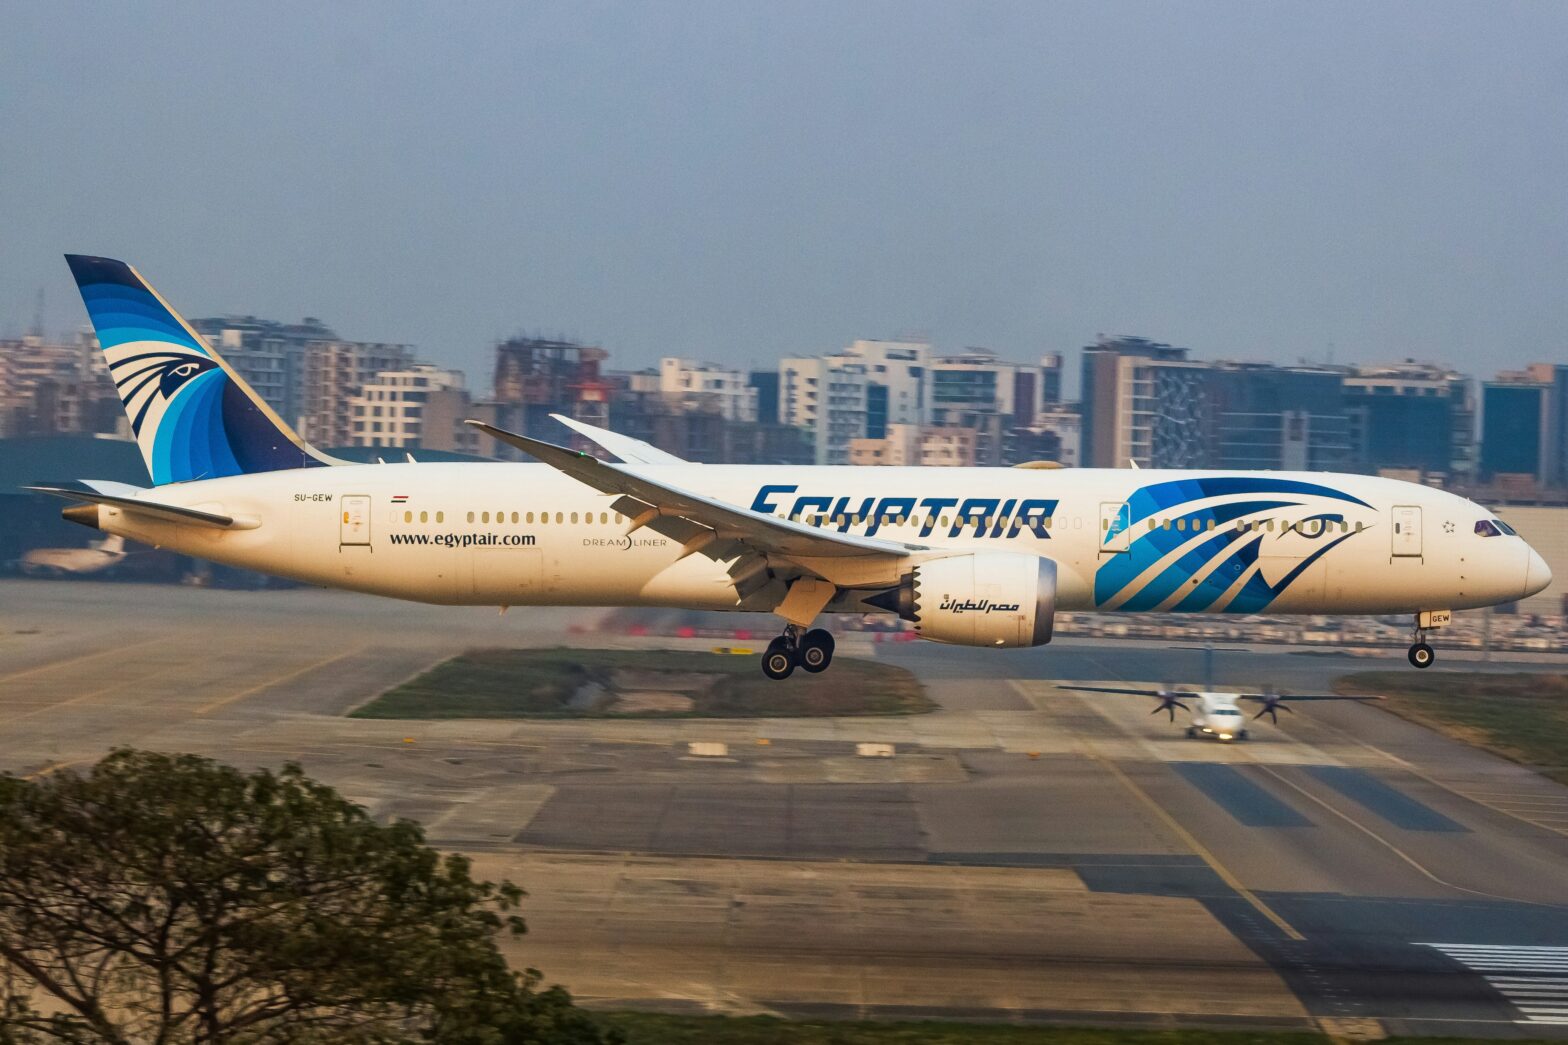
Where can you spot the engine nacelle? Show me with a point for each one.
(986, 598)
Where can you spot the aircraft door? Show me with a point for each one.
(354, 529)
(1407, 530)
(1115, 527)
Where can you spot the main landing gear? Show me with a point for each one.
(797, 647)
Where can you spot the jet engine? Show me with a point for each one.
(986, 598)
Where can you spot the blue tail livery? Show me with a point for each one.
(191, 414)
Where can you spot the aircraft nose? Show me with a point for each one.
(1537, 574)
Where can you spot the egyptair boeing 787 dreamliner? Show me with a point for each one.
(973, 556)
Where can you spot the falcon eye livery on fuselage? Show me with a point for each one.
(973, 556)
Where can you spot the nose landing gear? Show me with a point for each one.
(797, 647)
(1421, 655)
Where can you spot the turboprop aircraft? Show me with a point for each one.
(1218, 714)
(972, 556)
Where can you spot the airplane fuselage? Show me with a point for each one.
(1122, 540)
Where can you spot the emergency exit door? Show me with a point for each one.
(1407, 530)
(1115, 527)
(355, 527)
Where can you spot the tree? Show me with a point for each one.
(171, 899)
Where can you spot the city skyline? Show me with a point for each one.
(742, 185)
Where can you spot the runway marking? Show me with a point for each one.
(1199, 848)
(1406, 857)
(116, 684)
(4, 679)
(1450, 788)
(1531, 978)
(290, 677)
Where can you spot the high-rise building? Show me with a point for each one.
(57, 387)
(691, 381)
(766, 385)
(1525, 426)
(1272, 417)
(1129, 386)
(392, 409)
(535, 378)
(976, 390)
(335, 372)
(269, 355)
(1411, 417)
(897, 373)
(827, 396)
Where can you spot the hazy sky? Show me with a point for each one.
(739, 181)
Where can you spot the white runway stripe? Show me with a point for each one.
(1531, 978)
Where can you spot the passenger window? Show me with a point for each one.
(529, 517)
(408, 517)
(424, 517)
(559, 518)
(485, 517)
(515, 517)
(574, 517)
(618, 519)
(1181, 524)
(470, 516)
(604, 518)
(1048, 522)
(1165, 524)
(1359, 526)
(440, 517)
(1213, 523)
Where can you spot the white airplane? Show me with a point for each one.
(97, 557)
(972, 556)
(1218, 714)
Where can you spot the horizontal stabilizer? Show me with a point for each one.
(126, 502)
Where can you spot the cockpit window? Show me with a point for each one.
(1509, 530)
(1486, 528)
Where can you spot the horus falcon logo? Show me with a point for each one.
(148, 379)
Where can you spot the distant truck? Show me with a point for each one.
(97, 558)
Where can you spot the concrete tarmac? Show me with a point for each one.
(1033, 852)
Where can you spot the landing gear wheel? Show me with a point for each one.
(816, 650)
(1242, 735)
(1422, 655)
(1191, 733)
(778, 660)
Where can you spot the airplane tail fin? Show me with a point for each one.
(192, 415)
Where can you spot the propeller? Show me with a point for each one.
(1170, 700)
(1273, 703)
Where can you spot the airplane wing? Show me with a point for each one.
(1264, 698)
(632, 451)
(1132, 692)
(123, 497)
(757, 544)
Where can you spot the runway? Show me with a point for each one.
(1031, 853)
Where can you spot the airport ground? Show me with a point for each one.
(1031, 854)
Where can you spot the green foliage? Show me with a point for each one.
(543, 683)
(164, 898)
